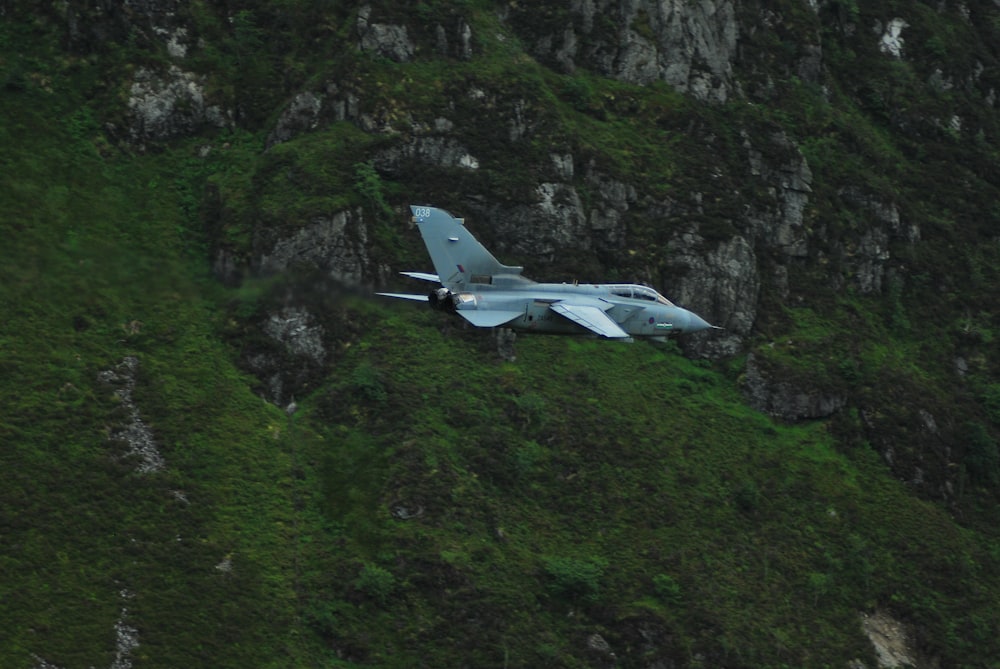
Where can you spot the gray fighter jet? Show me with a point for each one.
(477, 287)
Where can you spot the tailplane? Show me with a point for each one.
(458, 258)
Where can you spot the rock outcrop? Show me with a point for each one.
(169, 104)
(785, 399)
(132, 430)
(336, 245)
(689, 45)
(385, 39)
(294, 352)
(721, 283)
(301, 115)
(892, 640)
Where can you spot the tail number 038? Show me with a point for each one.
(421, 212)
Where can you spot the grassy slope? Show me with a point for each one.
(93, 244)
(586, 488)
(600, 488)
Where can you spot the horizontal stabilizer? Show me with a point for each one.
(423, 276)
(406, 296)
(591, 318)
(488, 319)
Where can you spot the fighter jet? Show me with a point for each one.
(476, 286)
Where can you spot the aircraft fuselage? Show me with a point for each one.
(643, 314)
(487, 293)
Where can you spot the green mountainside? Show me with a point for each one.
(218, 449)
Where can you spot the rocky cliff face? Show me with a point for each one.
(170, 104)
(741, 213)
(692, 47)
(689, 45)
(818, 177)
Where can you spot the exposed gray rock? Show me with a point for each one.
(159, 12)
(295, 328)
(301, 115)
(406, 509)
(601, 650)
(334, 244)
(783, 399)
(463, 39)
(438, 150)
(266, 367)
(867, 255)
(597, 643)
(891, 40)
(170, 104)
(894, 642)
(871, 255)
(721, 284)
(294, 349)
(42, 663)
(92, 25)
(343, 104)
(689, 45)
(441, 36)
(606, 217)
(554, 222)
(790, 183)
(126, 641)
(175, 40)
(133, 431)
(886, 214)
(563, 165)
(810, 65)
(387, 40)
(519, 125)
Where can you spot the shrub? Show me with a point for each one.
(667, 589)
(376, 582)
(747, 497)
(991, 398)
(367, 383)
(575, 578)
(369, 184)
(982, 459)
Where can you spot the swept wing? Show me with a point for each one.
(591, 318)
(488, 318)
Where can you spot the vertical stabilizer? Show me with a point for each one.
(458, 258)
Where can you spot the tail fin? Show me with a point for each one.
(458, 258)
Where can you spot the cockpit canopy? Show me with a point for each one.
(637, 292)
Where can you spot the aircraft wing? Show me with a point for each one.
(484, 318)
(406, 296)
(591, 318)
(423, 276)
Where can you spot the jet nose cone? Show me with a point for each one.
(696, 323)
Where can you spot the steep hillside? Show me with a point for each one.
(218, 449)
